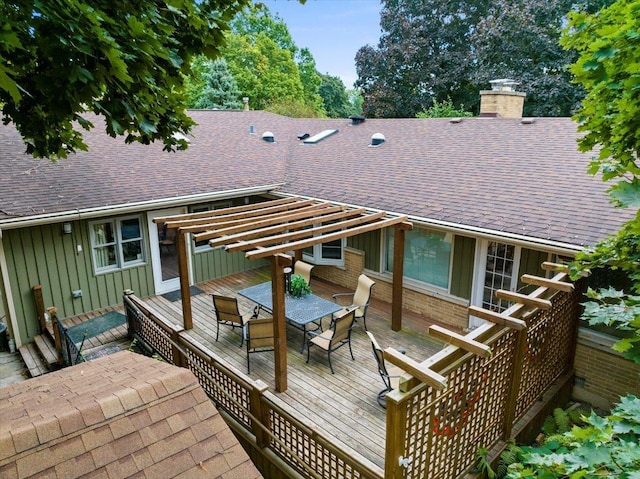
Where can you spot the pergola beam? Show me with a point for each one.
(294, 245)
(460, 341)
(205, 224)
(279, 239)
(497, 318)
(247, 234)
(224, 211)
(547, 283)
(523, 299)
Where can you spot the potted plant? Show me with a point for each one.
(298, 287)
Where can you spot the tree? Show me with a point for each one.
(211, 86)
(334, 96)
(519, 40)
(120, 59)
(444, 109)
(264, 72)
(269, 68)
(423, 54)
(434, 50)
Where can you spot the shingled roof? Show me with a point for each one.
(123, 415)
(524, 180)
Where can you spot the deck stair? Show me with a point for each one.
(40, 356)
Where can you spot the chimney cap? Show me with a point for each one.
(503, 84)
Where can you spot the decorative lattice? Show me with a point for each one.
(445, 428)
(549, 349)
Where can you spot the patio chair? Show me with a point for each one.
(258, 334)
(228, 314)
(303, 269)
(338, 335)
(361, 298)
(390, 374)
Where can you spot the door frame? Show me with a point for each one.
(159, 285)
(480, 265)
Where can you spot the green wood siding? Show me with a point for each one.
(531, 263)
(464, 249)
(218, 263)
(371, 244)
(43, 255)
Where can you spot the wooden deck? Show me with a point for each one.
(342, 404)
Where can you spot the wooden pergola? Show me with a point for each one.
(272, 228)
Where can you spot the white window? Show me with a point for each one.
(331, 253)
(117, 243)
(427, 256)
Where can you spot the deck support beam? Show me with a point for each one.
(183, 268)
(398, 274)
(278, 263)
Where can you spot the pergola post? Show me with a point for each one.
(183, 268)
(278, 263)
(398, 273)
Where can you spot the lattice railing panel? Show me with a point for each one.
(299, 445)
(446, 428)
(225, 391)
(550, 339)
(149, 332)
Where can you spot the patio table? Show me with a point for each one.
(298, 311)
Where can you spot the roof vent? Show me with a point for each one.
(377, 139)
(356, 119)
(319, 137)
(268, 137)
(528, 121)
(303, 136)
(455, 120)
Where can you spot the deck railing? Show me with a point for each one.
(432, 431)
(247, 402)
(436, 432)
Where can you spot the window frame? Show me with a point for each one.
(388, 233)
(118, 244)
(316, 256)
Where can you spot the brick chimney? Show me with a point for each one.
(502, 100)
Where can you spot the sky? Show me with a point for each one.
(332, 30)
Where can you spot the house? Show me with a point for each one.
(122, 415)
(490, 199)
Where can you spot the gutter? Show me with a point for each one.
(88, 213)
(521, 240)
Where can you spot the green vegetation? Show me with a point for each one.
(444, 109)
(124, 60)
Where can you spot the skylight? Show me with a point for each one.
(319, 137)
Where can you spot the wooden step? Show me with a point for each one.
(47, 350)
(33, 360)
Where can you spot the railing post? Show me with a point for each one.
(42, 320)
(257, 391)
(53, 313)
(130, 326)
(396, 432)
(178, 358)
(514, 384)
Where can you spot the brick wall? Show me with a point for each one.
(602, 375)
(440, 309)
